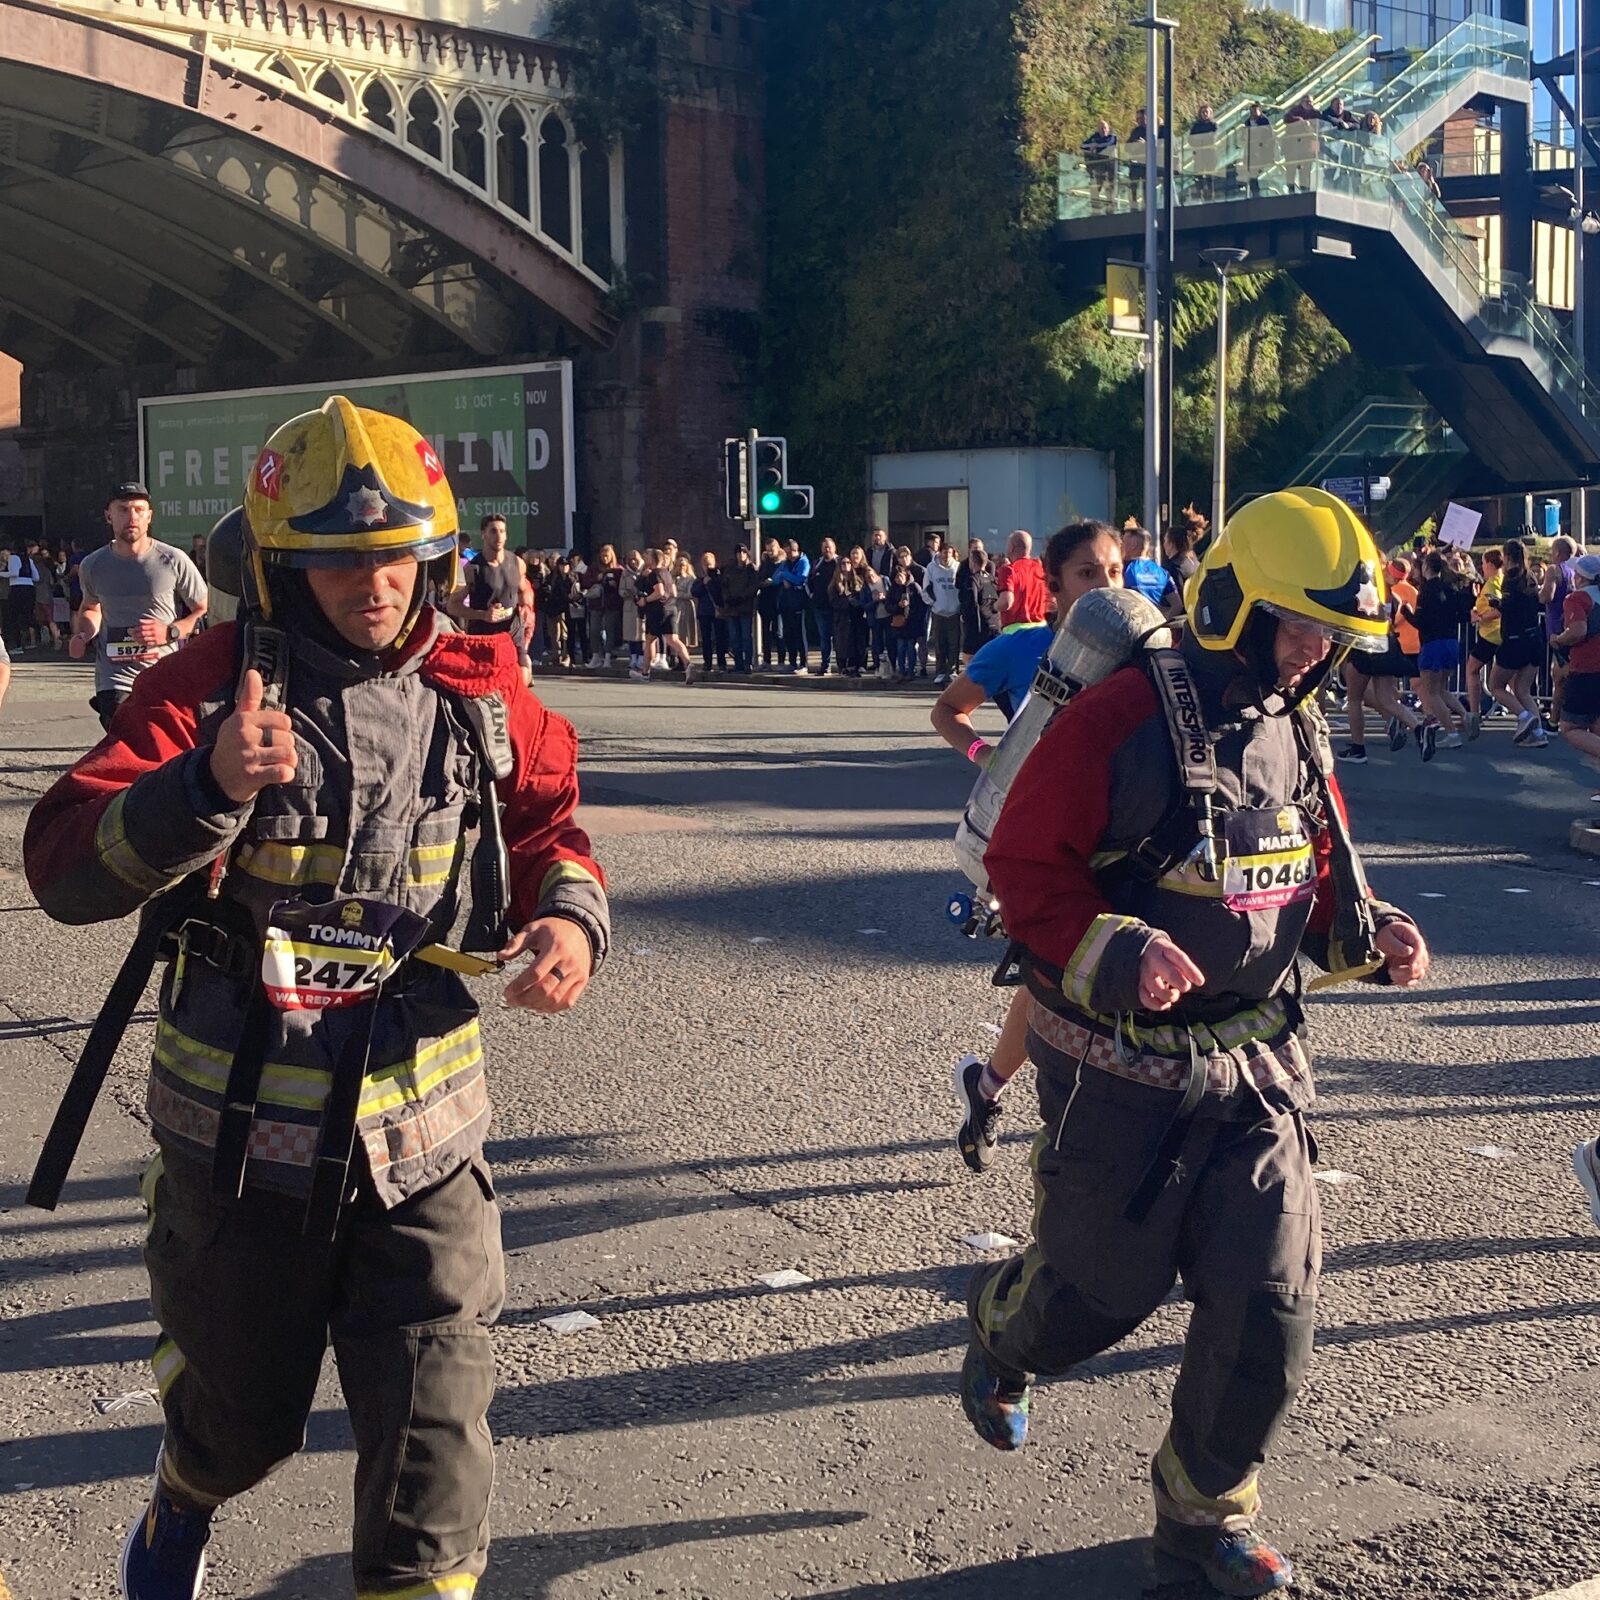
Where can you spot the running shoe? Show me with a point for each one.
(1398, 734)
(1355, 754)
(802, 672)
(1539, 741)
(1474, 724)
(164, 1555)
(996, 1407)
(979, 1134)
(1527, 727)
(1428, 740)
(637, 676)
(1584, 1160)
(688, 673)
(1235, 1561)
(1452, 741)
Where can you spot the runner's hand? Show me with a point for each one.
(1404, 952)
(559, 972)
(77, 647)
(148, 631)
(255, 747)
(1166, 975)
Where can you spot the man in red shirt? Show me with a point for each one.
(1580, 637)
(1024, 595)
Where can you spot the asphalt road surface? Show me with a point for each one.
(759, 1082)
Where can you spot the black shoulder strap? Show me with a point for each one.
(158, 919)
(1193, 816)
(1353, 924)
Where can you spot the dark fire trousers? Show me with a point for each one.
(1239, 1221)
(247, 1307)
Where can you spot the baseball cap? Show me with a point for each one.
(132, 489)
(1587, 567)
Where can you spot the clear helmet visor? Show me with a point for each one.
(1373, 639)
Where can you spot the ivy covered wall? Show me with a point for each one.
(910, 303)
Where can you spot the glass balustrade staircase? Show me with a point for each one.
(1366, 236)
(1423, 459)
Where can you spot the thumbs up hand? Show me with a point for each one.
(254, 747)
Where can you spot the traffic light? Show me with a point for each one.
(775, 496)
(736, 478)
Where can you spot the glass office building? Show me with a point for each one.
(1399, 24)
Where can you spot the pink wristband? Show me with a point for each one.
(975, 747)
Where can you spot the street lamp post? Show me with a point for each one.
(1156, 444)
(1222, 258)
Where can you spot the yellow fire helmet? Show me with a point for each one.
(1302, 554)
(345, 486)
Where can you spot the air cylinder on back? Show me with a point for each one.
(1102, 632)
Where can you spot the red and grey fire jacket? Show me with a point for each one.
(1101, 781)
(385, 789)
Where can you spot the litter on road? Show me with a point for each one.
(1495, 1152)
(787, 1279)
(989, 1241)
(107, 1403)
(570, 1322)
(1334, 1176)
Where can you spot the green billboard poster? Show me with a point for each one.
(504, 435)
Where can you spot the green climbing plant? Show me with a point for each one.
(912, 301)
(629, 51)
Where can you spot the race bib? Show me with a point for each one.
(122, 645)
(1270, 862)
(317, 958)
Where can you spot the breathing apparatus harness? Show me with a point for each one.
(1191, 829)
(193, 920)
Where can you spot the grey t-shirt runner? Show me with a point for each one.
(127, 589)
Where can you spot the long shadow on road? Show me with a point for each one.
(524, 1567)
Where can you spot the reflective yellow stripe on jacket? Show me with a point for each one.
(306, 1088)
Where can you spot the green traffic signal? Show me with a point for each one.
(771, 500)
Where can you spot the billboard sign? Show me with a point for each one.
(504, 435)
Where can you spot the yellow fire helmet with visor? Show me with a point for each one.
(1301, 554)
(344, 486)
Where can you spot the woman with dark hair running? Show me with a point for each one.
(1081, 557)
(1516, 661)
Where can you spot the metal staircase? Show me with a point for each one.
(1405, 442)
(1369, 240)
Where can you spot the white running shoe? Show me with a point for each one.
(1452, 741)
(1583, 1163)
(636, 676)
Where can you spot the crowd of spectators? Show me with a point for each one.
(875, 609)
(38, 593)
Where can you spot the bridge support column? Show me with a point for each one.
(1517, 188)
(1516, 178)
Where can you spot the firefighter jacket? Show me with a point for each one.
(1102, 780)
(384, 792)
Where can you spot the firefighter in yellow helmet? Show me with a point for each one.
(1162, 920)
(289, 804)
